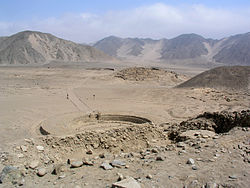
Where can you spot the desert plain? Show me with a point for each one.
(77, 126)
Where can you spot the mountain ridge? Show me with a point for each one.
(33, 47)
(232, 50)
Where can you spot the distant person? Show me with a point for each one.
(67, 96)
(94, 96)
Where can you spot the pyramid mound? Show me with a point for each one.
(235, 78)
(149, 74)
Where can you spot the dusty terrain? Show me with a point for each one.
(60, 125)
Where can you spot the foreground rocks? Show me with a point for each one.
(202, 159)
(129, 182)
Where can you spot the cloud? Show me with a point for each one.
(155, 21)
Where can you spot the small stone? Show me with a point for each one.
(194, 168)
(95, 145)
(159, 158)
(28, 140)
(76, 164)
(62, 176)
(149, 176)
(215, 137)
(40, 148)
(89, 152)
(233, 177)
(202, 140)
(120, 176)
(117, 163)
(211, 160)
(24, 148)
(34, 164)
(41, 172)
(181, 145)
(102, 155)
(129, 182)
(58, 169)
(154, 150)
(106, 166)
(190, 161)
(216, 155)
(20, 155)
(86, 161)
(211, 185)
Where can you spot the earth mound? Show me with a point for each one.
(149, 74)
(233, 78)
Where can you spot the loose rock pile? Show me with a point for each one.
(218, 122)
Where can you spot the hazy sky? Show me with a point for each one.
(90, 20)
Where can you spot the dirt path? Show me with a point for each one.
(78, 103)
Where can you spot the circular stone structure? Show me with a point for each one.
(67, 124)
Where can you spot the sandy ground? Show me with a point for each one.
(30, 97)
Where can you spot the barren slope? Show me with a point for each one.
(30, 47)
(236, 77)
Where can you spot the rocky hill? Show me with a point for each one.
(230, 77)
(31, 47)
(187, 49)
(235, 49)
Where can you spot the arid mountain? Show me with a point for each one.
(31, 47)
(184, 46)
(227, 77)
(187, 49)
(235, 49)
(125, 48)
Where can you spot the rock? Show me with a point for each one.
(24, 148)
(11, 174)
(41, 172)
(217, 155)
(159, 158)
(62, 176)
(20, 155)
(233, 177)
(181, 145)
(40, 148)
(154, 150)
(34, 164)
(127, 183)
(102, 155)
(211, 185)
(89, 152)
(86, 161)
(193, 184)
(76, 164)
(149, 176)
(106, 166)
(194, 168)
(120, 176)
(58, 169)
(190, 161)
(28, 140)
(117, 163)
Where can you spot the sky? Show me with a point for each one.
(87, 21)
